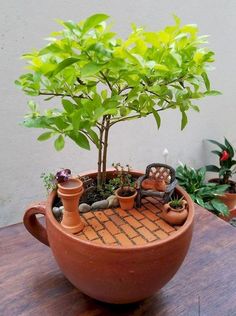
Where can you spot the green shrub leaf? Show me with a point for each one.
(62, 65)
(45, 136)
(90, 69)
(157, 117)
(93, 21)
(184, 120)
(59, 143)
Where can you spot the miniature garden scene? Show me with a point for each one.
(120, 232)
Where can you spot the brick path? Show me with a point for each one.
(126, 228)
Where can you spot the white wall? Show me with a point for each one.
(24, 24)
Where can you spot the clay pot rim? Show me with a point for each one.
(126, 197)
(73, 179)
(172, 209)
(116, 248)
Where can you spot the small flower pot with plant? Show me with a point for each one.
(101, 80)
(225, 169)
(175, 212)
(126, 193)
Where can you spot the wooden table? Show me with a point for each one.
(32, 284)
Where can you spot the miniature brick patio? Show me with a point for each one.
(117, 227)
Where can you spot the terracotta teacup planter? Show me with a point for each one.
(110, 273)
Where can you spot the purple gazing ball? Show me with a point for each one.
(63, 175)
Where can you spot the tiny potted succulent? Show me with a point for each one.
(175, 211)
(126, 193)
(225, 169)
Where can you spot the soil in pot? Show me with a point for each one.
(93, 193)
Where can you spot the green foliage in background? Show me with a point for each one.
(100, 79)
(202, 193)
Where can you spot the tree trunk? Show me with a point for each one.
(105, 146)
(102, 151)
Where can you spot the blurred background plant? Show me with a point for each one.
(202, 193)
(227, 164)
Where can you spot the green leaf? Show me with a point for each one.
(157, 117)
(62, 65)
(91, 69)
(80, 139)
(220, 206)
(94, 137)
(195, 108)
(199, 201)
(68, 106)
(212, 93)
(76, 118)
(59, 143)
(38, 122)
(206, 81)
(217, 152)
(218, 144)
(230, 148)
(93, 21)
(184, 120)
(32, 105)
(45, 136)
(212, 168)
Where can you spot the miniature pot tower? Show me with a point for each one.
(70, 192)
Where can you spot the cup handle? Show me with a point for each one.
(33, 225)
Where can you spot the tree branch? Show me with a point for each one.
(125, 119)
(81, 96)
(156, 94)
(107, 81)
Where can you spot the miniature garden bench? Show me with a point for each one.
(158, 181)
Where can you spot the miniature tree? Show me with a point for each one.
(102, 80)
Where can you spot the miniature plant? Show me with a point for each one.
(226, 162)
(124, 177)
(202, 193)
(110, 187)
(50, 180)
(102, 80)
(176, 202)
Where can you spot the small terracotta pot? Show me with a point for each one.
(111, 273)
(175, 216)
(126, 202)
(70, 193)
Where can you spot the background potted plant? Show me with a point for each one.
(204, 194)
(126, 193)
(225, 170)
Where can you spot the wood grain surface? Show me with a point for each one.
(32, 284)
